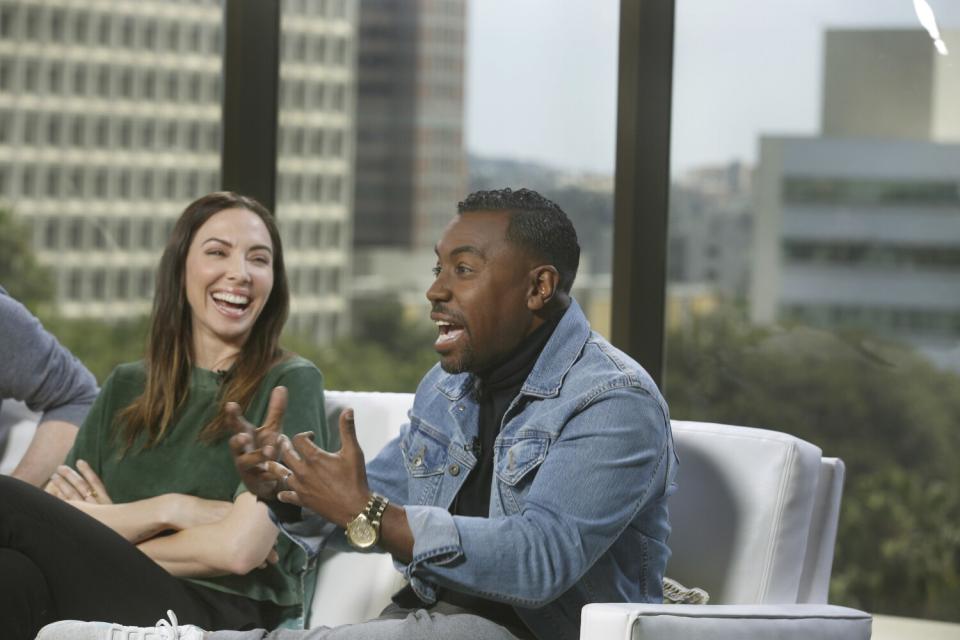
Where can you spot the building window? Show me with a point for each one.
(51, 233)
(100, 183)
(75, 285)
(122, 285)
(75, 234)
(103, 82)
(103, 31)
(7, 16)
(146, 235)
(146, 284)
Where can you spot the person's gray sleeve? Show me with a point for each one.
(38, 370)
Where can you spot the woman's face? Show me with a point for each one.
(228, 278)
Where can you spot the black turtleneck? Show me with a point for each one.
(495, 388)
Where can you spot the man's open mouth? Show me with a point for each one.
(448, 332)
(230, 304)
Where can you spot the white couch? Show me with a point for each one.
(754, 523)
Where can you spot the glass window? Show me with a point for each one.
(817, 203)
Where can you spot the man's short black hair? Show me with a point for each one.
(537, 224)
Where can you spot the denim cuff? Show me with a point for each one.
(436, 540)
(311, 533)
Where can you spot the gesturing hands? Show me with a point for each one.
(253, 449)
(333, 485)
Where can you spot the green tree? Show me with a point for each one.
(100, 345)
(892, 416)
(386, 352)
(20, 273)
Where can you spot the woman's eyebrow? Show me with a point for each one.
(257, 247)
(215, 239)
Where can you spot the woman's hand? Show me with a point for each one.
(255, 450)
(81, 483)
(185, 512)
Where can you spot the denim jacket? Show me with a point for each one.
(583, 464)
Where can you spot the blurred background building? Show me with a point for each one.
(109, 125)
(410, 158)
(411, 164)
(859, 227)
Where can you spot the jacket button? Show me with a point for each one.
(454, 469)
(417, 461)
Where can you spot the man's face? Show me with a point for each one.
(479, 297)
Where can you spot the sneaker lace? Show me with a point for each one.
(169, 630)
(163, 630)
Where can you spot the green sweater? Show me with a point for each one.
(180, 463)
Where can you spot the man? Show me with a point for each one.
(533, 475)
(36, 369)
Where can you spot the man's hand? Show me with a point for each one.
(333, 485)
(255, 450)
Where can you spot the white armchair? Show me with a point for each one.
(754, 523)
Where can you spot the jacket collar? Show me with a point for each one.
(558, 355)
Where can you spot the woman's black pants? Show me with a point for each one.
(58, 563)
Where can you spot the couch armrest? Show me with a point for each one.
(723, 622)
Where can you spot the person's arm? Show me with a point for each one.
(144, 519)
(49, 447)
(237, 544)
(41, 372)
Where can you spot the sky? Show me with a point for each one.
(541, 74)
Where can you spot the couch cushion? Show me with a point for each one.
(723, 622)
(742, 510)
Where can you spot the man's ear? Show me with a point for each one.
(544, 283)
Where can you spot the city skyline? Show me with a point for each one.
(568, 120)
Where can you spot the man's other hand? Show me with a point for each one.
(334, 485)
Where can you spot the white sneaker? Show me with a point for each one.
(76, 630)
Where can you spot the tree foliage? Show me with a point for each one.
(386, 352)
(20, 273)
(99, 345)
(887, 412)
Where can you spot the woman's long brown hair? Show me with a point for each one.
(169, 357)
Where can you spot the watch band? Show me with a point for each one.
(375, 509)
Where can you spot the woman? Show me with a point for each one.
(148, 513)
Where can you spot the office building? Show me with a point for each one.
(410, 147)
(110, 125)
(860, 228)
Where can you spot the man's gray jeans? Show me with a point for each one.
(443, 622)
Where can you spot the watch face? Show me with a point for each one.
(360, 533)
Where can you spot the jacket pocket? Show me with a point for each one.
(516, 457)
(424, 455)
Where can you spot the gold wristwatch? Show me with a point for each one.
(364, 531)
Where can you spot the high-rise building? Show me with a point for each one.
(110, 124)
(860, 227)
(891, 84)
(410, 147)
(315, 163)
